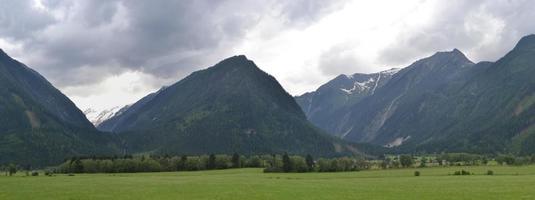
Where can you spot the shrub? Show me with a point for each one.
(49, 173)
(406, 160)
(462, 172)
(35, 173)
(490, 172)
(505, 159)
(416, 173)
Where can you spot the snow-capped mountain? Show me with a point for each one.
(331, 99)
(97, 117)
(367, 82)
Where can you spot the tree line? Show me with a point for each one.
(287, 163)
(452, 159)
(270, 163)
(156, 163)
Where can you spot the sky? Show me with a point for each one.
(107, 53)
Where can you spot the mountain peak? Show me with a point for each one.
(455, 52)
(234, 59)
(526, 43)
(3, 53)
(454, 55)
(235, 62)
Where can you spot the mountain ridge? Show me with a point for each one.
(43, 126)
(445, 102)
(232, 106)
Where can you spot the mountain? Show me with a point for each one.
(122, 119)
(447, 103)
(38, 124)
(96, 118)
(230, 107)
(331, 101)
(403, 94)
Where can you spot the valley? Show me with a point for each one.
(433, 183)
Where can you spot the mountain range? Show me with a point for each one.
(331, 100)
(441, 103)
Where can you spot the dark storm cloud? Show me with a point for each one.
(484, 29)
(19, 20)
(90, 40)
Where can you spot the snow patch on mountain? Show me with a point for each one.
(391, 71)
(97, 117)
(358, 86)
(396, 142)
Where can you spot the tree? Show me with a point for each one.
(78, 166)
(299, 164)
(324, 165)
(422, 162)
(507, 159)
(286, 163)
(12, 169)
(181, 165)
(406, 160)
(211, 162)
(395, 163)
(385, 163)
(361, 164)
(254, 161)
(310, 162)
(192, 164)
(236, 160)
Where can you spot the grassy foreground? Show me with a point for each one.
(434, 183)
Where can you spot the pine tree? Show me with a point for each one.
(12, 168)
(236, 160)
(78, 166)
(310, 162)
(182, 163)
(211, 162)
(286, 163)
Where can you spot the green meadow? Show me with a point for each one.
(433, 183)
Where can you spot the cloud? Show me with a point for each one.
(82, 45)
(90, 40)
(341, 59)
(13, 28)
(485, 30)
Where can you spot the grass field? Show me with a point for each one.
(434, 183)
